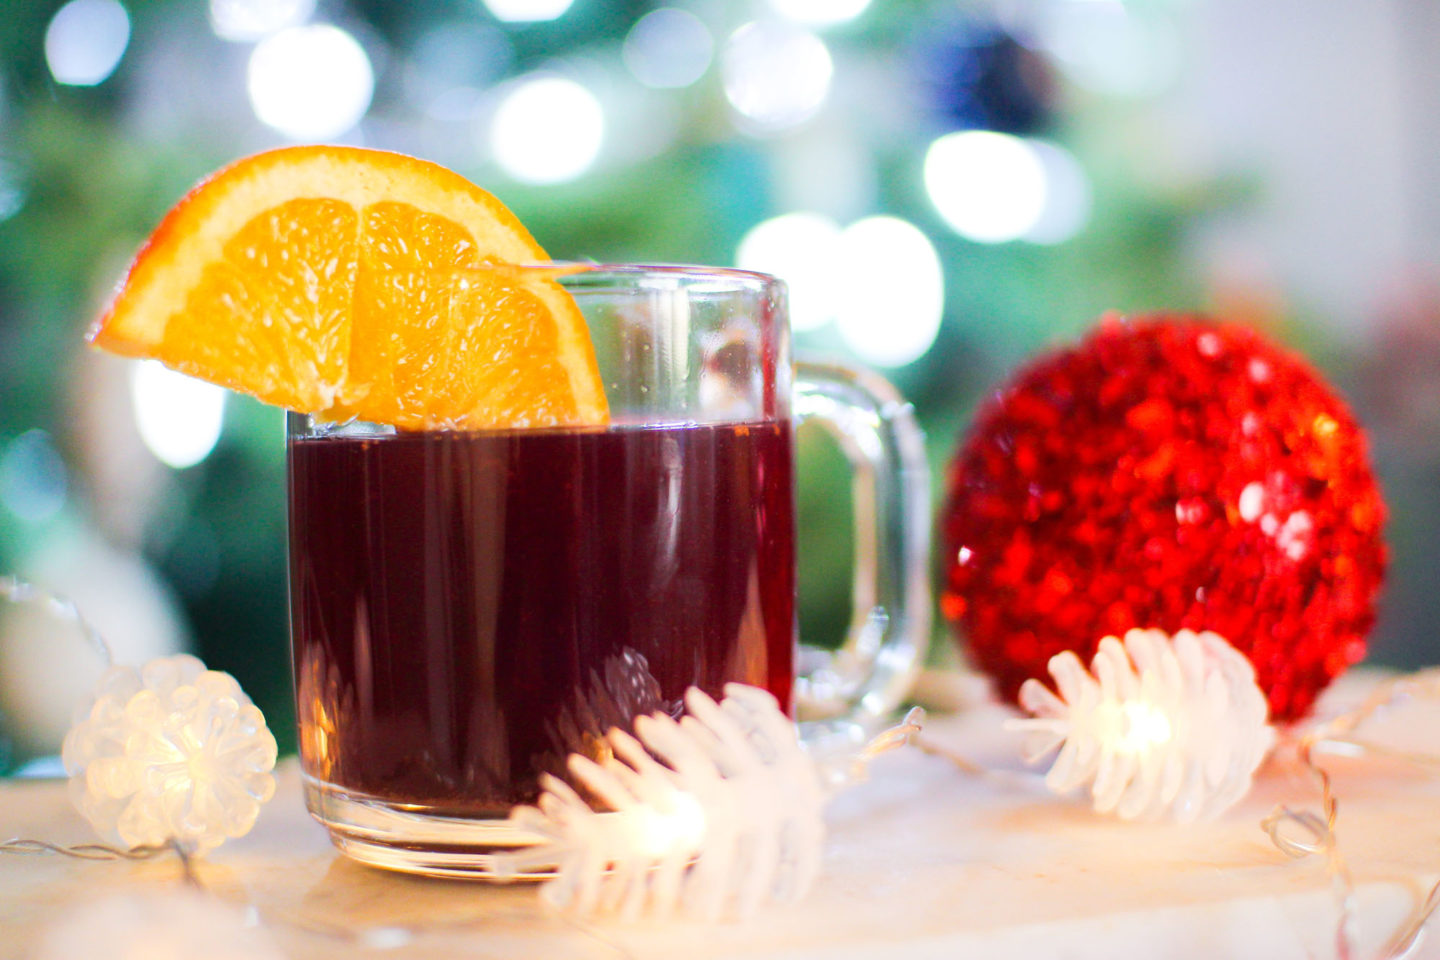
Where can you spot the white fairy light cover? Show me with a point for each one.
(712, 814)
(170, 753)
(1160, 726)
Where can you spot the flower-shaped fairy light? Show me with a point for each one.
(1165, 725)
(171, 753)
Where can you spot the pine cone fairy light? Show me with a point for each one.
(714, 813)
(1159, 726)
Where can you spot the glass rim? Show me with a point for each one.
(580, 270)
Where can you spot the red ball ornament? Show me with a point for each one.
(1168, 472)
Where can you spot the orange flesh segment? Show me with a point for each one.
(300, 253)
(353, 305)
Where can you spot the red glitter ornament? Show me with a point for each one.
(1167, 472)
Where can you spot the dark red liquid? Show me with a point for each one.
(468, 609)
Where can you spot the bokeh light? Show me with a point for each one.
(668, 48)
(12, 191)
(179, 418)
(820, 12)
(527, 11)
(1067, 195)
(776, 75)
(310, 83)
(245, 21)
(799, 248)
(32, 477)
(458, 54)
(889, 290)
(548, 129)
(47, 667)
(989, 187)
(1112, 48)
(85, 41)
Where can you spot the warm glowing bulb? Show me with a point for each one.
(1145, 727)
(680, 830)
(171, 752)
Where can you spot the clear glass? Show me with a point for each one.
(469, 607)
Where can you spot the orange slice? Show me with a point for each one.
(358, 283)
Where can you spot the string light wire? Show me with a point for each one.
(23, 593)
(1300, 833)
(1296, 833)
(1322, 829)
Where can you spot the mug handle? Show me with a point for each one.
(870, 674)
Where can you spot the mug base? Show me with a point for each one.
(412, 838)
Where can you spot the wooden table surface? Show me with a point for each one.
(924, 860)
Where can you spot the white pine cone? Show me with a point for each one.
(171, 752)
(1159, 726)
(718, 811)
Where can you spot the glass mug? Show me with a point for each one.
(469, 607)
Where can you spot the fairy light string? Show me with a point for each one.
(168, 723)
(191, 733)
(1321, 829)
(1297, 833)
(1322, 840)
(81, 851)
(104, 851)
(22, 593)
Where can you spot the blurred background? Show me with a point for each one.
(948, 186)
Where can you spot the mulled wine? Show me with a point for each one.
(470, 608)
